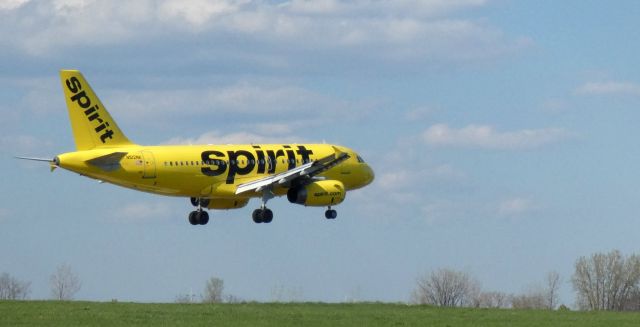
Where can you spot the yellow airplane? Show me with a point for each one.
(212, 176)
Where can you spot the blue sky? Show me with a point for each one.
(503, 135)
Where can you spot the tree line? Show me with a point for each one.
(601, 281)
(64, 283)
(450, 288)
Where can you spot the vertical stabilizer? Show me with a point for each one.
(92, 125)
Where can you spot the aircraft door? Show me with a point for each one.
(149, 164)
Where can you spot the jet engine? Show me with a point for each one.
(318, 194)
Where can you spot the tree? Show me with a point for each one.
(13, 289)
(529, 300)
(491, 300)
(185, 298)
(213, 290)
(552, 288)
(64, 283)
(446, 288)
(606, 281)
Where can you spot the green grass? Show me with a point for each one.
(50, 313)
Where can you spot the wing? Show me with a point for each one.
(307, 170)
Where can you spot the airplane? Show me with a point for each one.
(211, 176)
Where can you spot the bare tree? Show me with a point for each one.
(530, 300)
(446, 288)
(13, 289)
(185, 298)
(606, 281)
(491, 300)
(64, 283)
(213, 290)
(552, 288)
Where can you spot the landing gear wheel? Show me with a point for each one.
(262, 216)
(267, 216)
(198, 217)
(257, 216)
(331, 214)
(199, 202)
(192, 218)
(203, 217)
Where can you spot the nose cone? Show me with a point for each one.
(368, 175)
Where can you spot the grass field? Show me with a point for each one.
(49, 313)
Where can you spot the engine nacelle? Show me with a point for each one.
(318, 194)
(227, 203)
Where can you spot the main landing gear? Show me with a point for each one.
(199, 216)
(262, 214)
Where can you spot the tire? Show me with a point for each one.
(257, 216)
(330, 214)
(193, 219)
(203, 217)
(267, 216)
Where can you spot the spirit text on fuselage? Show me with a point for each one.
(243, 162)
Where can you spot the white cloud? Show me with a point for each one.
(366, 29)
(515, 206)
(419, 113)
(609, 88)
(406, 178)
(142, 212)
(216, 137)
(421, 8)
(24, 145)
(486, 137)
(12, 4)
(196, 12)
(240, 98)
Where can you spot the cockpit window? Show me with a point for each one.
(360, 160)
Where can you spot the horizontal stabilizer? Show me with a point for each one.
(109, 162)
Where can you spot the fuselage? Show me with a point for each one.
(209, 171)
(212, 176)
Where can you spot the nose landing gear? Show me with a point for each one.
(330, 213)
(263, 214)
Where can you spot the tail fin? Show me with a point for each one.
(92, 125)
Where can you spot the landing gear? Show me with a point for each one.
(199, 216)
(330, 214)
(262, 214)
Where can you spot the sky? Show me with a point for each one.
(503, 135)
